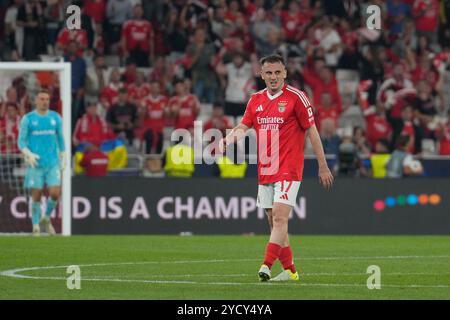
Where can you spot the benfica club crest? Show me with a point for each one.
(282, 106)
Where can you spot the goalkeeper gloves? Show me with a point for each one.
(30, 157)
(62, 161)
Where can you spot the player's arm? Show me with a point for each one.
(235, 134)
(22, 143)
(239, 131)
(61, 144)
(325, 176)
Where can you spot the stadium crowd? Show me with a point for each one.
(139, 67)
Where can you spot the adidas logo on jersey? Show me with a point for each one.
(260, 108)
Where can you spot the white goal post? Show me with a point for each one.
(64, 70)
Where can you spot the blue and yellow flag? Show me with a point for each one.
(115, 150)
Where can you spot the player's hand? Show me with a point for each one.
(326, 177)
(30, 157)
(62, 161)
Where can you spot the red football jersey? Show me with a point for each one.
(95, 164)
(427, 12)
(154, 117)
(78, 35)
(92, 129)
(137, 33)
(377, 128)
(96, 9)
(136, 93)
(291, 23)
(109, 95)
(187, 112)
(279, 119)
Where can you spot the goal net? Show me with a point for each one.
(19, 83)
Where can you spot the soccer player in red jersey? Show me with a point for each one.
(281, 115)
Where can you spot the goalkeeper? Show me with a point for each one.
(42, 143)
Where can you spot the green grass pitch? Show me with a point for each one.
(222, 267)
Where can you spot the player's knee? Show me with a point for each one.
(36, 196)
(279, 220)
(54, 195)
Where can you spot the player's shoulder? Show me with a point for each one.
(297, 95)
(257, 95)
(54, 114)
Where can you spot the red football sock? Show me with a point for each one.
(286, 259)
(272, 253)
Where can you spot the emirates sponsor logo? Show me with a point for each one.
(270, 120)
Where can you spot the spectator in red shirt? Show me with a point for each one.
(91, 128)
(326, 109)
(424, 70)
(377, 124)
(443, 136)
(426, 17)
(94, 162)
(233, 11)
(153, 112)
(139, 89)
(326, 82)
(66, 36)
(96, 9)
(9, 128)
(184, 106)
(293, 21)
(137, 39)
(110, 93)
(391, 87)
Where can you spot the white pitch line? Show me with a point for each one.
(200, 275)
(235, 283)
(15, 273)
(220, 261)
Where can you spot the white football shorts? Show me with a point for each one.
(282, 191)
